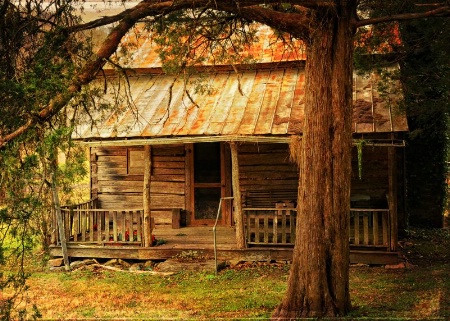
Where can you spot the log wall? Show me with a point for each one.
(118, 175)
(267, 175)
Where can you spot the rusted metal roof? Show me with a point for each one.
(267, 48)
(252, 103)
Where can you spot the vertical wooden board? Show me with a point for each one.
(366, 228)
(91, 225)
(266, 229)
(83, 225)
(375, 228)
(107, 222)
(76, 227)
(392, 199)
(292, 224)
(283, 226)
(123, 224)
(248, 227)
(189, 181)
(115, 226)
(97, 227)
(351, 230)
(386, 216)
(138, 226)
(257, 236)
(275, 227)
(357, 239)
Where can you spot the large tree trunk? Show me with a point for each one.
(318, 284)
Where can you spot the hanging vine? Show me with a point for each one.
(359, 147)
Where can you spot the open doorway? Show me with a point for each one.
(207, 183)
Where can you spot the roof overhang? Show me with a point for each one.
(388, 142)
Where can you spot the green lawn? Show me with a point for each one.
(248, 291)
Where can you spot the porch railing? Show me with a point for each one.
(369, 227)
(276, 226)
(84, 223)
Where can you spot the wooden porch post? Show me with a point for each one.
(392, 173)
(57, 207)
(146, 193)
(238, 217)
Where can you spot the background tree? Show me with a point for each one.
(37, 61)
(425, 74)
(319, 282)
(420, 47)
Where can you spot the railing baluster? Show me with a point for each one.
(107, 220)
(138, 226)
(292, 224)
(257, 229)
(385, 228)
(275, 227)
(375, 227)
(366, 227)
(356, 228)
(115, 226)
(76, 226)
(99, 226)
(266, 229)
(83, 226)
(90, 216)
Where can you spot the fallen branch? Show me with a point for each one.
(112, 268)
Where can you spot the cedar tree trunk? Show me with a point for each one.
(318, 284)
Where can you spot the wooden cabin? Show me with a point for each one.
(174, 165)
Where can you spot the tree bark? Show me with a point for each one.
(318, 284)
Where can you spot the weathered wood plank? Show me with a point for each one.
(356, 224)
(366, 228)
(375, 228)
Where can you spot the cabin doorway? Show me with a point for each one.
(208, 183)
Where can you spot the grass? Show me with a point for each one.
(248, 291)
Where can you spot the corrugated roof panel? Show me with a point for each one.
(284, 103)
(223, 106)
(245, 84)
(269, 103)
(210, 126)
(255, 99)
(207, 105)
(298, 106)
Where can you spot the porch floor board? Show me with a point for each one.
(201, 239)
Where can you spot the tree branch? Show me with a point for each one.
(90, 70)
(439, 12)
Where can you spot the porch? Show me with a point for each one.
(269, 233)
